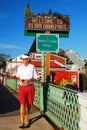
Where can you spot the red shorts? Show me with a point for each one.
(26, 93)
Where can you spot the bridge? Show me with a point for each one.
(54, 107)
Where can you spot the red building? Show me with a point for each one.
(57, 68)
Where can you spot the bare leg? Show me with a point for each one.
(27, 111)
(22, 113)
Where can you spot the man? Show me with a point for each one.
(26, 75)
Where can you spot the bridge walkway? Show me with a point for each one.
(9, 113)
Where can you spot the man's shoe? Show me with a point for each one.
(21, 126)
(26, 124)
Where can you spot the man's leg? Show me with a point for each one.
(27, 112)
(22, 114)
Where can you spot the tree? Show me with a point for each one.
(86, 66)
(3, 58)
(50, 12)
(28, 11)
(62, 54)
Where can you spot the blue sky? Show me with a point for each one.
(12, 39)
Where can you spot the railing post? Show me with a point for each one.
(41, 99)
(43, 68)
(83, 115)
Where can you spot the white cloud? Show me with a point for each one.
(7, 46)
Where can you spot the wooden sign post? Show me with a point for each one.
(47, 63)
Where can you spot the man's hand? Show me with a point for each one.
(26, 81)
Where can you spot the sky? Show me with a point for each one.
(12, 39)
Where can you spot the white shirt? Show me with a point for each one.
(26, 72)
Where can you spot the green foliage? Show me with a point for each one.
(62, 54)
(50, 12)
(28, 11)
(83, 81)
(3, 58)
(86, 66)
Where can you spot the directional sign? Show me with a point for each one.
(47, 42)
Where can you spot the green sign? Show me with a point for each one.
(47, 42)
(33, 33)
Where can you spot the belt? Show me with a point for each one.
(23, 84)
(26, 84)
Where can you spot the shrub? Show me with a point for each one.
(72, 86)
(64, 82)
(68, 84)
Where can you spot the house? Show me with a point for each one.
(76, 59)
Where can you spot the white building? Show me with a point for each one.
(12, 64)
(76, 59)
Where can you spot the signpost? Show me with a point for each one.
(47, 28)
(46, 43)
